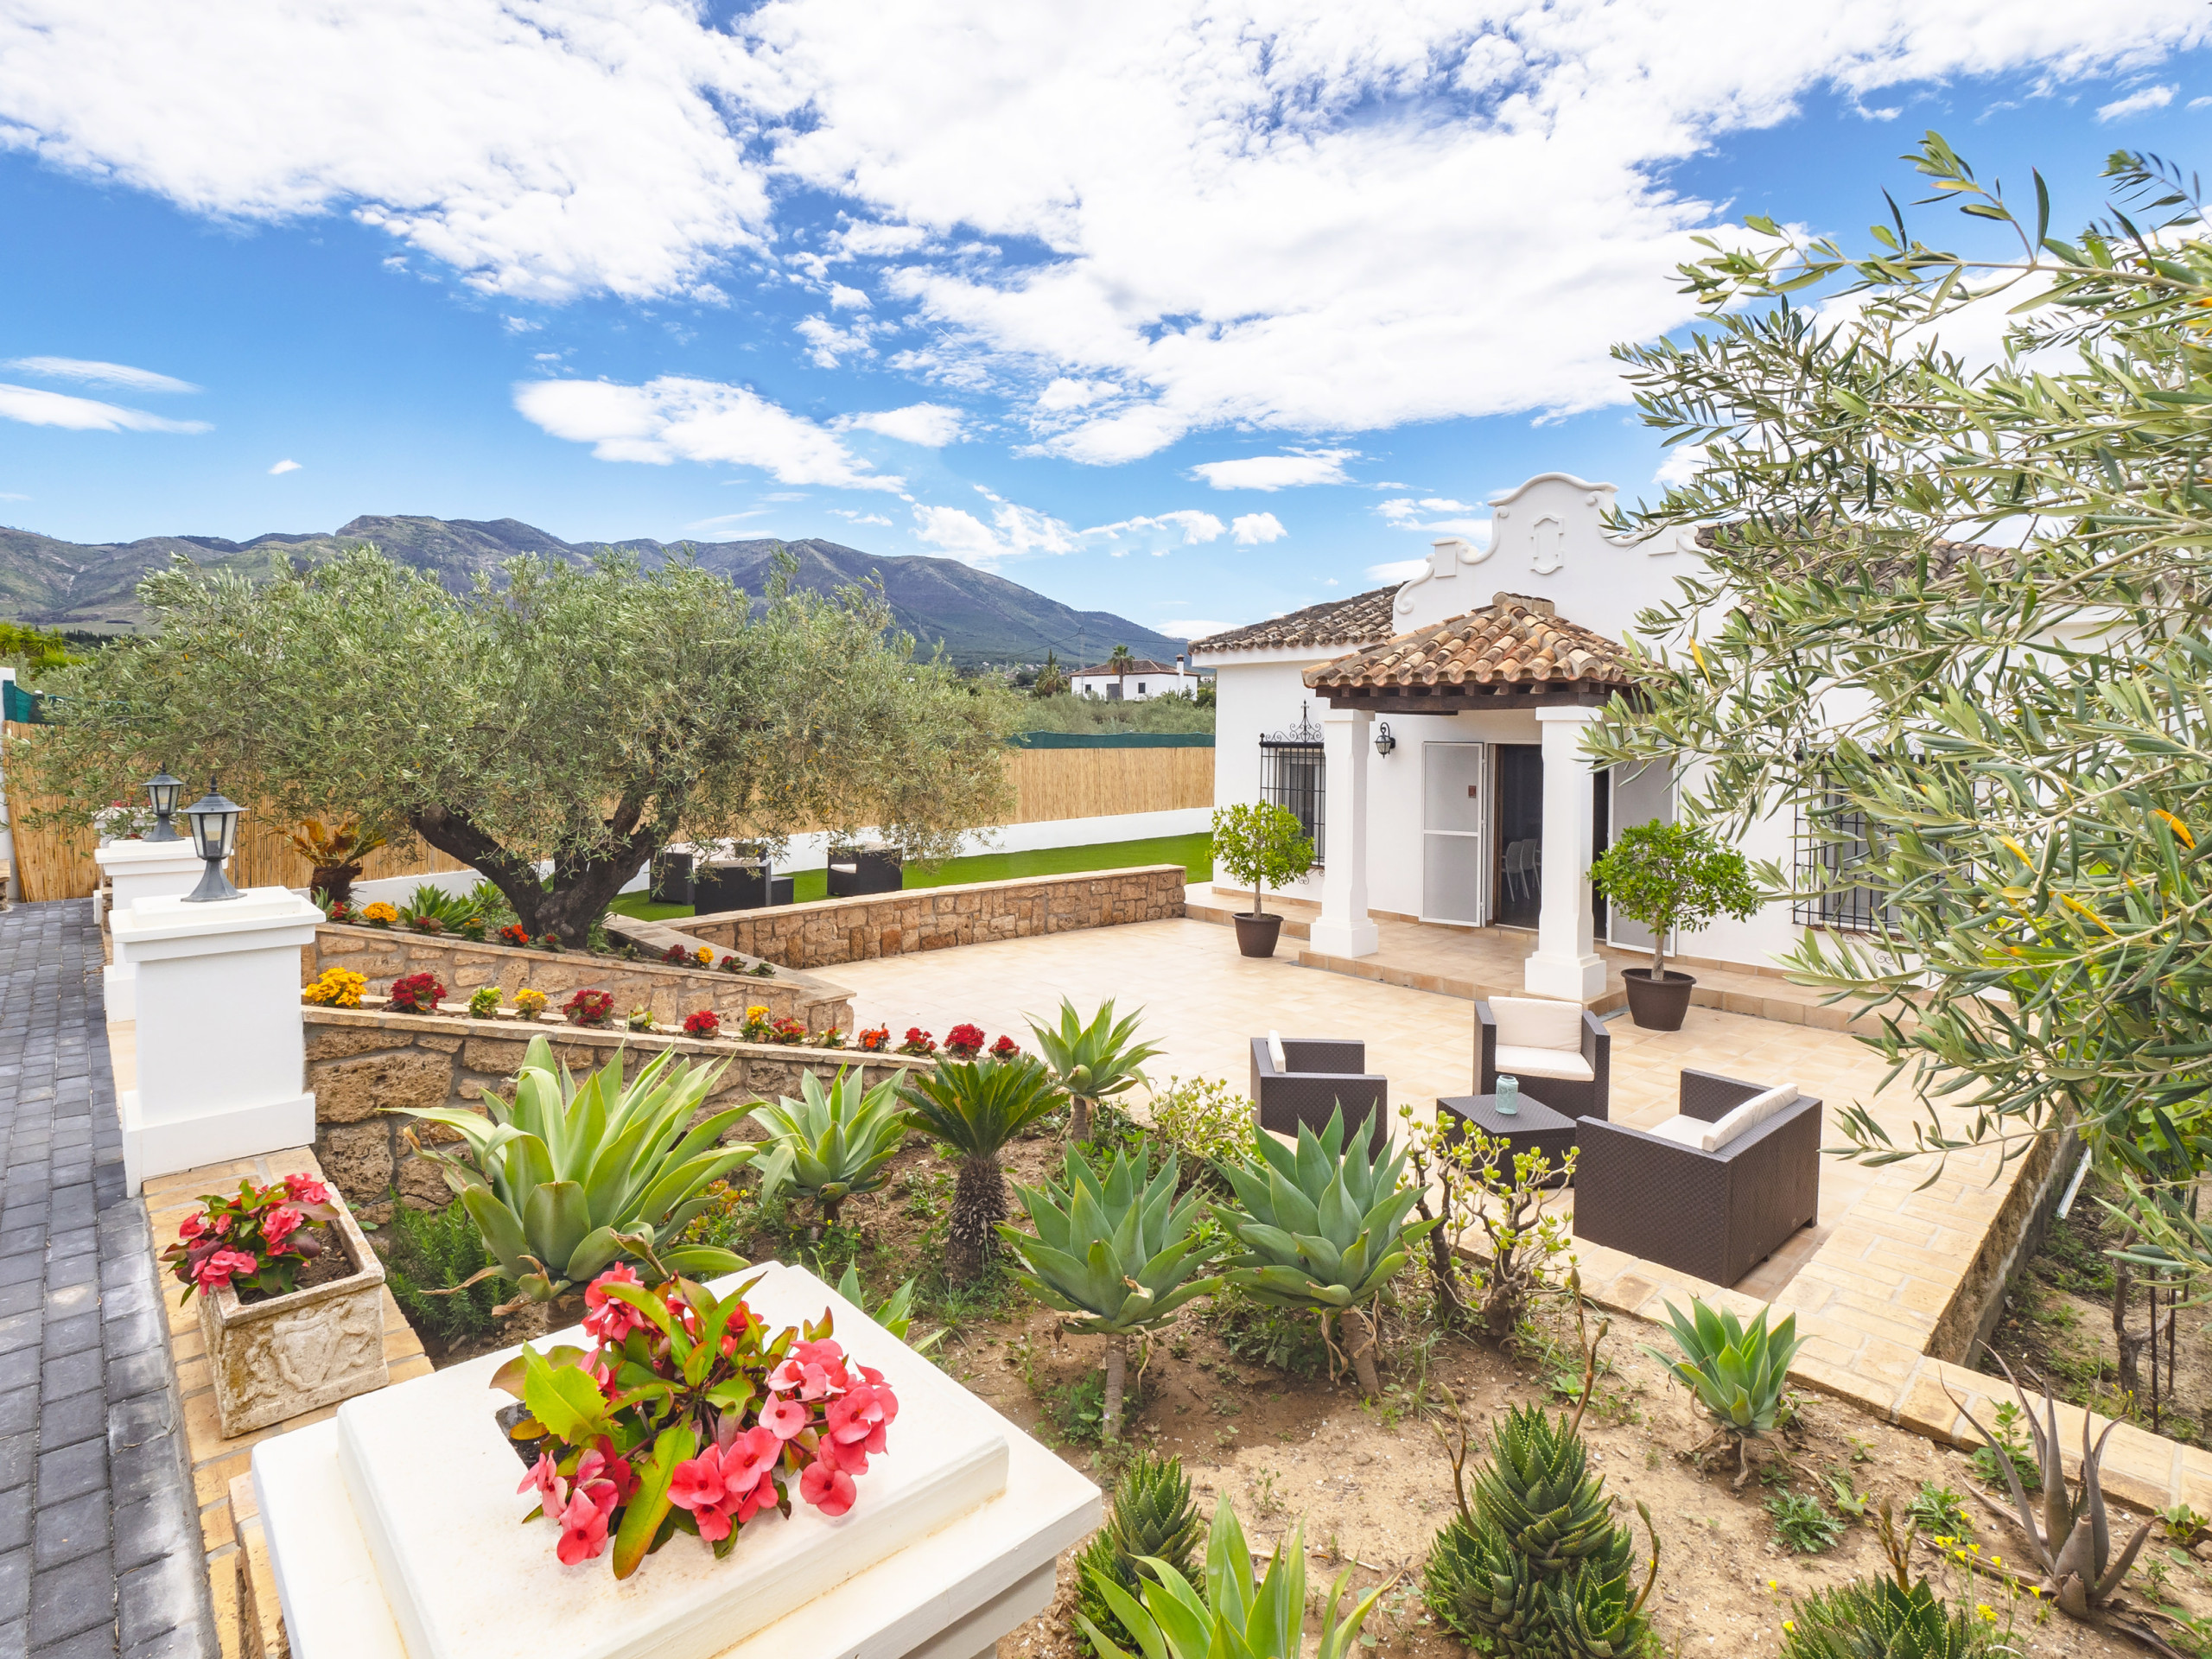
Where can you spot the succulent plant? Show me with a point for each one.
(1152, 1517)
(974, 1107)
(894, 1312)
(832, 1143)
(2073, 1542)
(1322, 1227)
(1234, 1618)
(1535, 1568)
(1118, 1254)
(1888, 1616)
(1093, 1061)
(567, 1177)
(1737, 1372)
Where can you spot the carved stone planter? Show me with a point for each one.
(290, 1354)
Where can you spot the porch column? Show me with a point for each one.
(1566, 964)
(1343, 929)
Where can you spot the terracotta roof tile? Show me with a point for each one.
(1362, 620)
(1514, 642)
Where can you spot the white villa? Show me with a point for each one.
(1136, 680)
(1429, 736)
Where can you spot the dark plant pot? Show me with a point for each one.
(1658, 1004)
(1256, 935)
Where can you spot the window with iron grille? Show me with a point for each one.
(1294, 776)
(1831, 846)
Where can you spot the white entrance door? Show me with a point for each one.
(1455, 833)
(1643, 794)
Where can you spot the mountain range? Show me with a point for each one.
(975, 616)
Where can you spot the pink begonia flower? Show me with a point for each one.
(785, 1417)
(828, 1490)
(608, 1319)
(215, 1273)
(583, 1530)
(305, 1189)
(280, 1225)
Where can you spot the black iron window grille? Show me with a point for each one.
(1832, 847)
(1294, 776)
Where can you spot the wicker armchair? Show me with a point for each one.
(1576, 1080)
(1319, 1075)
(1716, 1215)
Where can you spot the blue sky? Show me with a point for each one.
(1197, 315)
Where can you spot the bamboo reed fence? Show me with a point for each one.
(53, 862)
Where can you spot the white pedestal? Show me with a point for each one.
(394, 1533)
(136, 870)
(222, 1050)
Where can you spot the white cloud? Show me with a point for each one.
(847, 299)
(930, 425)
(1254, 528)
(1194, 629)
(672, 418)
(91, 371)
(721, 519)
(1259, 218)
(2151, 98)
(1157, 532)
(1277, 472)
(34, 406)
(283, 467)
(830, 344)
(6, 495)
(1407, 513)
(1397, 570)
(1065, 394)
(861, 517)
(520, 324)
(1013, 529)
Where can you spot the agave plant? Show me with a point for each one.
(1888, 1616)
(1093, 1061)
(2072, 1544)
(1737, 1372)
(1152, 1517)
(831, 1144)
(336, 851)
(1322, 1228)
(568, 1177)
(974, 1107)
(1118, 1254)
(428, 899)
(1234, 1618)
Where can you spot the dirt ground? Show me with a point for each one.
(1372, 1481)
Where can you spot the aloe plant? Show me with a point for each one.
(1889, 1615)
(831, 1144)
(1092, 1062)
(1152, 1515)
(2073, 1542)
(568, 1177)
(1737, 1372)
(1234, 1618)
(1118, 1254)
(976, 1106)
(1322, 1228)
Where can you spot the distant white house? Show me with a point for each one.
(1134, 681)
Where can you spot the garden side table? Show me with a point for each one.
(1536, 1126)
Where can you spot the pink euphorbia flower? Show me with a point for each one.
(280, 1225)
(814, 1369)
(583, 1530)
(861, 1417)
(305, 1189)
(785, 1417)
(828, 1490)
(609, 1319)
(192, 1226)
(216, 1271)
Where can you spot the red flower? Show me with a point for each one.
(305, 1189)
(828, 1490)
(583, 1530)
(278, 1225)
(609, 1319)
(676, 954)
(589, 1007)
(192, 1226)
(861, 1417)
(417, 993)
(785, 1418)
(705, 1023)
(962, 1042)
(511, 934)
(216, 1272)
(1005, 1049)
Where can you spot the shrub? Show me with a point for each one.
(1260, 845)
(1205, 1119)
(336, 987)
(1737, 1372)
(702, 1023)
(1674, 876)
(589, 1007)
(484, 1002)
(439, 1250)
(417, 993)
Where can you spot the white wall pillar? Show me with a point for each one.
(136, 870)
(222, 1048)
(1344, 928)
(1566, 964)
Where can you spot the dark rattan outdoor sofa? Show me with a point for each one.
(1322, 1073)
(1714, 1214)
(1572, 1097)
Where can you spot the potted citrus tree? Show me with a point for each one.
(1262, 846)
(1668, 876)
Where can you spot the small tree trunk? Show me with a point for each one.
(1450, 1310)
(978, 1205)
(1359, 1337)
(2129, 1344)
(1256, 910)
(1117, 1364)
(1079, 1118)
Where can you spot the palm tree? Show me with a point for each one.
(1051, 679)
(974, 1107)
(1092, 1061)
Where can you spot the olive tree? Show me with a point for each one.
(578, 716)
(1954, 613)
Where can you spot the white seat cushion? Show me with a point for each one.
(1566, 1065)
(1537, 1022)
(1275, 1054)
(1742, 1120)
(1683, 1131)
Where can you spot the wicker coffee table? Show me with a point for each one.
(1536, 1127)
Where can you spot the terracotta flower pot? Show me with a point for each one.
(279, 1359)
(1658, 1004)
(1256, 934)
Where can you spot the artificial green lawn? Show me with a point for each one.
(1193, 852)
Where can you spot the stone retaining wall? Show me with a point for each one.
(832, 930)
(362, 1061)
(382, 955)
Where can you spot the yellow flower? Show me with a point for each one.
(381, 911)
(1789, 1624)
(1985, 1611)
(530, 1004)
(758, 1011)
(340, 987)
(704, 957)
(1773, 1584)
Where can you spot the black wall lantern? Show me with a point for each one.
(1383, 741)
(214, 834)
(162, 790)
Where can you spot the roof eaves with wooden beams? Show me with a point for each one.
(1515, 652)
